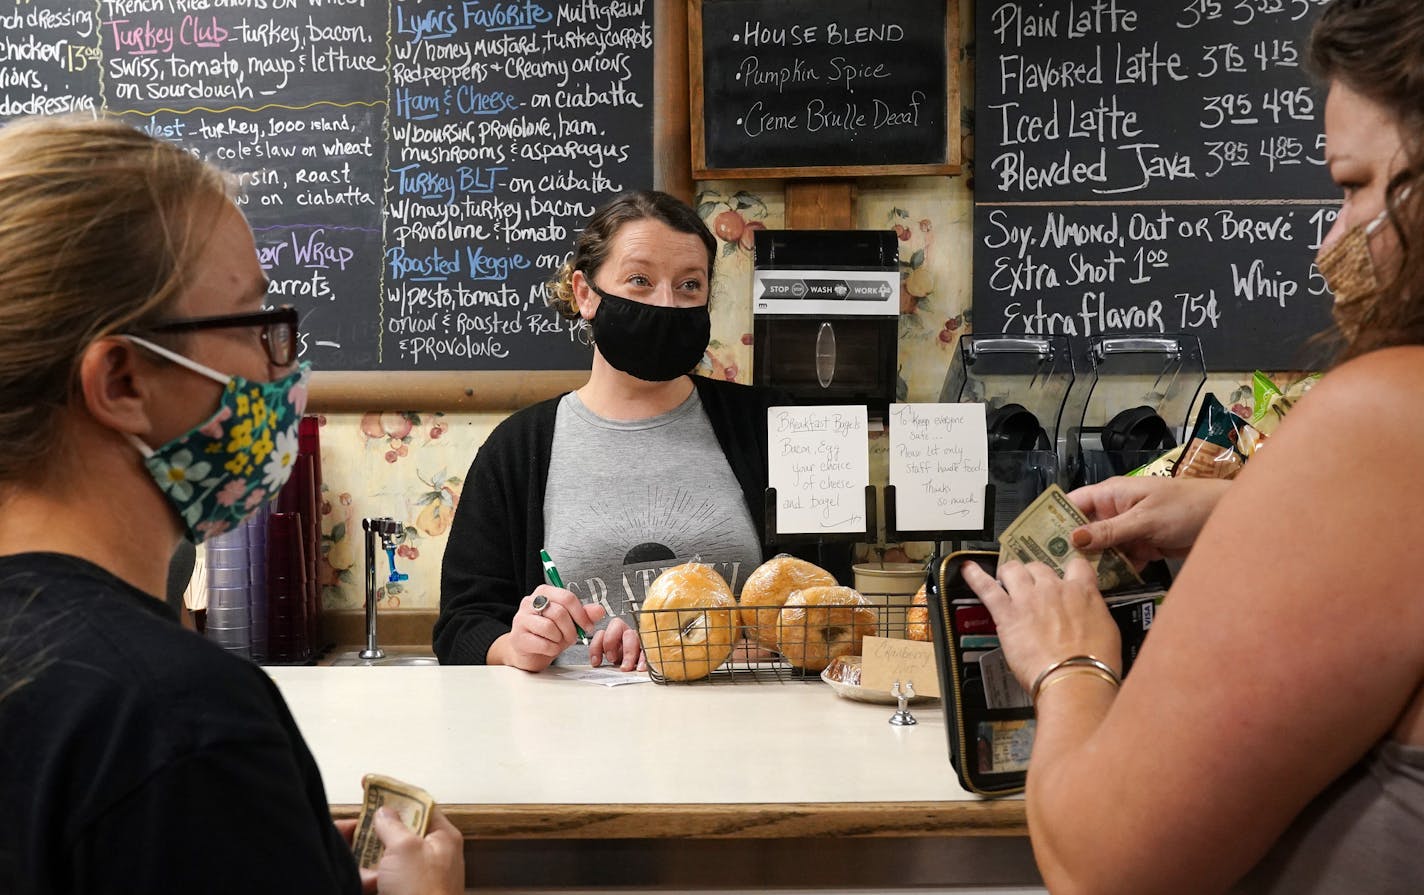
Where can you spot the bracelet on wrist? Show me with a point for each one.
(1083, 661)
(1065, 673)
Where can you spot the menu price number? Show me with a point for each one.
(1243, 12)
(1280, 150)
(1198, 310)
(1278, 105)
(78, 58)
(1228, 154)
(1322, 221)
(1233, 59)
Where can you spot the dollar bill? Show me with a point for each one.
(1041, 534)
(412, 803)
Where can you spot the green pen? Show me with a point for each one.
(551, 574)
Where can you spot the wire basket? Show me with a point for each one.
(719, 646)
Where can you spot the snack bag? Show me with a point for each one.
(1162, 466)
(1220, 445)
(1272, 403)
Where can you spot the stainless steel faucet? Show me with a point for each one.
(390, 533)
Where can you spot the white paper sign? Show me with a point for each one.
(604, 677)
(939, 464)
(819, 464)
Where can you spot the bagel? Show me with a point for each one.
(917, 617)
(688, 622)
(766, 589)
(817, 624)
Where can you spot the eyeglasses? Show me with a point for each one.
(279, 330)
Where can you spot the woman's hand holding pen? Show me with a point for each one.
(617, 644)
(538, 635)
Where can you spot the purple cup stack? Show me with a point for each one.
(287, 639)
(229, 621)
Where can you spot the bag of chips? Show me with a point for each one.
(1272, 403)
(1221, 443)
(1162, 466)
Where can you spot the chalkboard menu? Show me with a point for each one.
(1152, 167)
(815, 87)
(412, 171)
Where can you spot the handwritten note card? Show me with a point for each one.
(819, 465)
(939, 464)
(887, 660)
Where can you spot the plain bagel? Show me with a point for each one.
(917, 617)
(766, 589)
(817, 624)
(688, 622)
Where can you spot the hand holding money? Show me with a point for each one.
(1043, 533)
(411, 803)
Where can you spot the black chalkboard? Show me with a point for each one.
(1095, 120)
(798, 85)
(412, 171)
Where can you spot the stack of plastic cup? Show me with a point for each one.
(299, 496)
(229, 622)
(309, 444)
(286, 590)
(256, 527)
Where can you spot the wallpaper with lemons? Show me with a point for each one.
(412, 466)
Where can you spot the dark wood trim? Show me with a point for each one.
(394, 627)
(481, 391)
(750, 821)
(672, 148)
(820, 204)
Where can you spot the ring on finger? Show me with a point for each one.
(539, 604)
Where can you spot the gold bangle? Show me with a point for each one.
(1069, 672)
(1088, 661)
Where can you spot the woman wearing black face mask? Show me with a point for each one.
(642, 468)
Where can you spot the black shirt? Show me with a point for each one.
(138, 757)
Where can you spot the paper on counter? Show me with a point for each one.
(606, 677)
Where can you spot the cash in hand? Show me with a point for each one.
(411, 803)
(1042, 533)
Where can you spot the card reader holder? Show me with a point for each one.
(990, 747)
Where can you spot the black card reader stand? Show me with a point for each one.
(776, 538)
(955, 537)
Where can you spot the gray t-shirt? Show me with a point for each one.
(627, 499)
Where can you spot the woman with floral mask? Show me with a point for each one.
(145, 395)
(642, 468)
(1271, 736)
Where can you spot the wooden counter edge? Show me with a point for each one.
(734, 821)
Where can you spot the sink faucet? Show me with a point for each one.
(390, 533)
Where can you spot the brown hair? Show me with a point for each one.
(98, 224)
(1376, 48)
(593, 243)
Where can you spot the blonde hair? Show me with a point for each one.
(595, 240)
(99, 223)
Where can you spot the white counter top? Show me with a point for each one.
(499, 736)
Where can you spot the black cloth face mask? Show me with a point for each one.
(655, 343)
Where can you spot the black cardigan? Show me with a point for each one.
(492, 555)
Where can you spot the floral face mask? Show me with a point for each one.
(219, 473)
